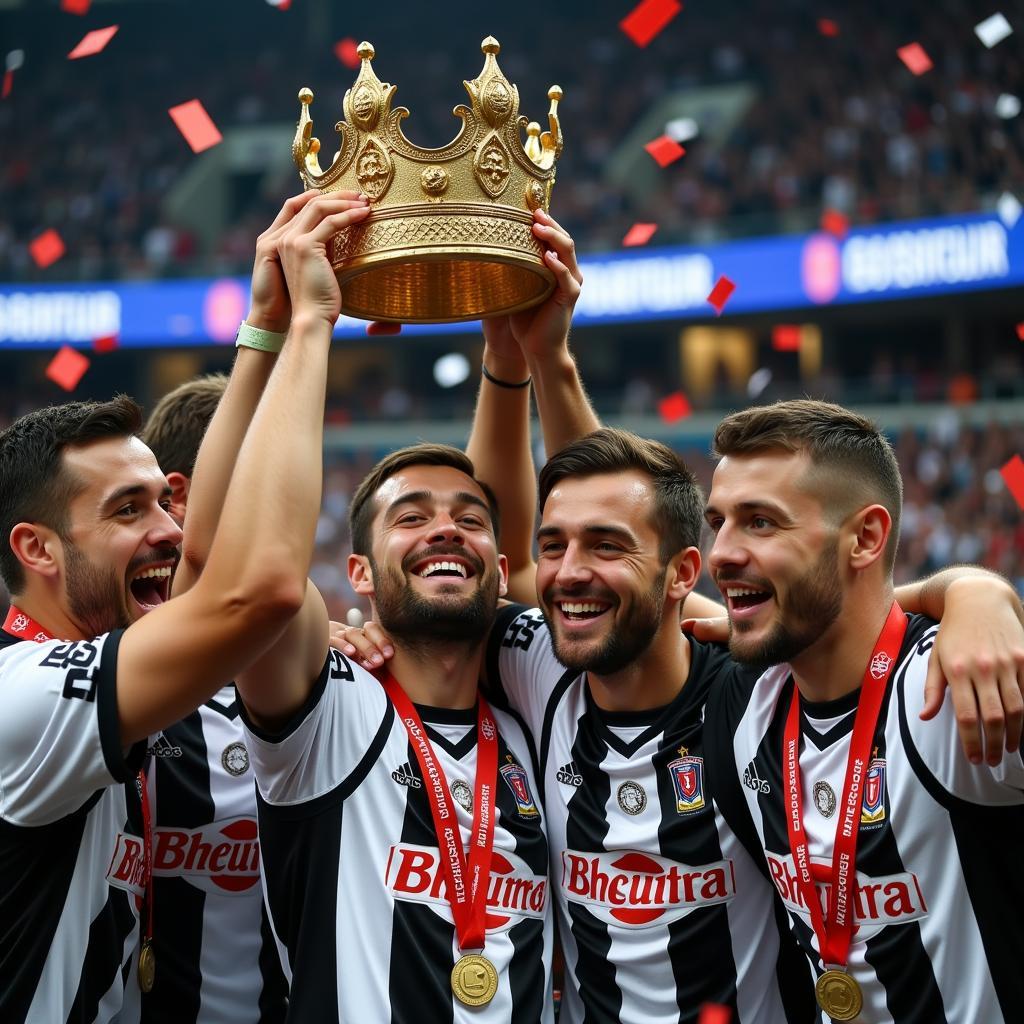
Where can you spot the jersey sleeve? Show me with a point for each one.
(937, 742)
(60, 737)
(325, 741)
(522, 670)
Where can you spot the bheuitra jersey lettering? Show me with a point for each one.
(360, 891)
(933, 888)
(660, 908)
(70, 832)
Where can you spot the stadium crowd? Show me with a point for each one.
(90, 148)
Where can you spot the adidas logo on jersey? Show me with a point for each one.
(162, 747)
(405, 776)
(877, 902)
(752, 781)
(415, 874)
(567, 775)
(636, 889)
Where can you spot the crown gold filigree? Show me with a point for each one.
(449, 237)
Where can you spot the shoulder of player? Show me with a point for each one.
(916, 648)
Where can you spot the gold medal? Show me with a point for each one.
(147, 966)
(838, 995)
(474, 980)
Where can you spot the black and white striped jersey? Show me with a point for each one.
(71, 852)
(660, 909)
(353, 872)
(217, 961)
(938, 892)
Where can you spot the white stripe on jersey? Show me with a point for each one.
(353, 873)
(697, 901)
(936, 937)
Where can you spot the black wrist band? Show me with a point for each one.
(503, 383)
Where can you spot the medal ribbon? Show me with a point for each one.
(466, 883)
(834, 929)
(18, 623)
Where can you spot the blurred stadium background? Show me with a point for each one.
(868, 217)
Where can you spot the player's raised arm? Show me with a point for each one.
(254, 581)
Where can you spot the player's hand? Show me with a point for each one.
(368, 644)
(710, 631)
(545, 328)
(979, 651)
(302, 250)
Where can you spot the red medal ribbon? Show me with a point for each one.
(18, 623)
(466, 884)
(834, 929)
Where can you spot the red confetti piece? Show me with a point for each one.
(639, 234)
(915, 58)
(196, 125)
(1013, 476)
(648, 18)
(712, 1013)
(107, 343)
(5, 90)
(46, 249)
(786, 337)
(664, 150)
(720, 293)
(283, 5)
(674, 407)
(93, 42)
(75, 6)
(1020, 331)
(835, 223)
(66, 368)
(346, 51)
(828, 27)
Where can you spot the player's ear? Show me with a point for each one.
(359, 575)
(683, 573)
(180, 485)
(37, 548)
(871, 527)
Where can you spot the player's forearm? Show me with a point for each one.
(928, 596)
(499, 446)
(217, 456)
(565, 411)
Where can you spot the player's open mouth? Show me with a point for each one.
(152, 586)
(444, 568)
(582, 611)
(742, 601)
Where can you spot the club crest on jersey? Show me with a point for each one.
(880, 665)
(631, 797)
(463, 795)
(687, 775)
(872, 809)
(517, 780)
(235, 759)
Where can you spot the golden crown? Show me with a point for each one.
(450, 234)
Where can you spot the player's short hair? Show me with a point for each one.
(175, 428)
(678, 501)
(853, 463)
(35, 485)
(361, 511)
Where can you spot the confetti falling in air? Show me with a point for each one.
(913, 55)
(647, 19)
(107, 343)
(5, 89)
(674, 408)
(195, 125)
(828, 27)
(835, 223)
(346, 50)
(639, 234)
(14, 60)
(46, 249)
(93, 42)
(1013, 476)
(786, 337)
(75, 6)
(281, 5)
(1009, 209)
(1020, 331)
(67, 367)
(759, 380)
(664, 150)
(1007, 106)
(720, 294)
(682, 129)
(993, 30)
(712, 1013)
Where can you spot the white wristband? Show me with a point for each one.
(254, 337)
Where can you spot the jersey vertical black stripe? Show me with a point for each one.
(274, 991)
(103, 962)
